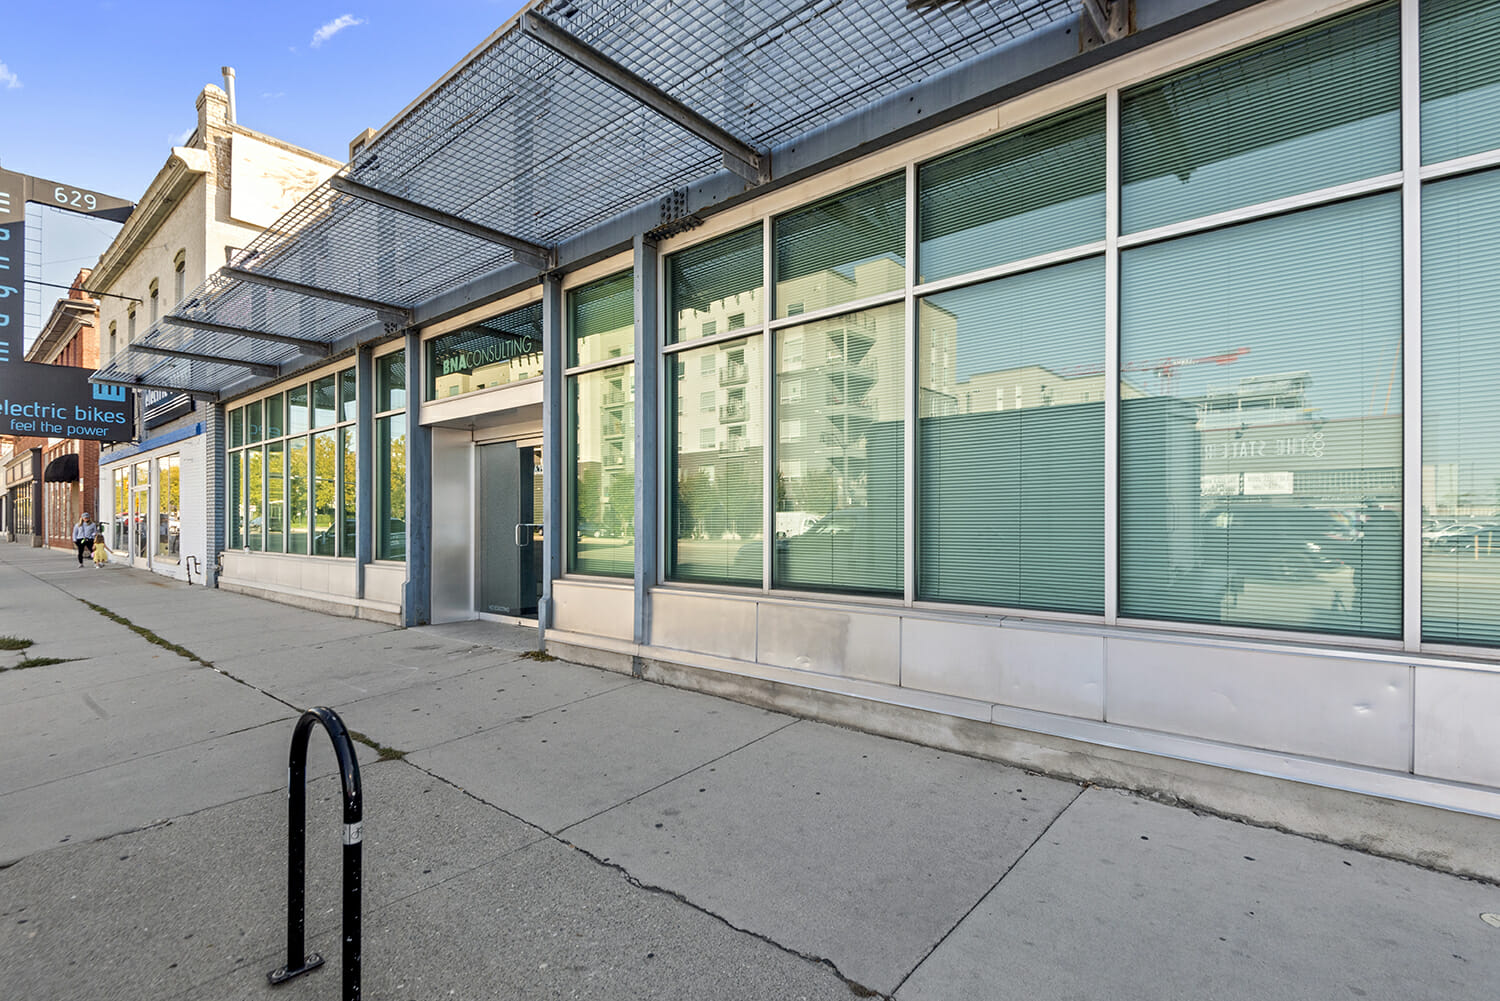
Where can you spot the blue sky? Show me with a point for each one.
(95, 95)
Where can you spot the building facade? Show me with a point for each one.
(1113, 410)
(214, 194)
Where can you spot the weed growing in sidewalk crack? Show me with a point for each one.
(540, 655)
(14, 643)
(147, 634)
(41, 662)
(386, 753)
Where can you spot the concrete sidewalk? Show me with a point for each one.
(546, 830)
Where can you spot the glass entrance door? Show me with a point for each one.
(509, 550)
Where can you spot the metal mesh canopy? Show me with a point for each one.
(521, 140)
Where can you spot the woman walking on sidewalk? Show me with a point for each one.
(83, 536)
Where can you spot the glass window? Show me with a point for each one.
(120, 541)
(348, 398)
(275, 496)
(1241, 130)
(390, 381)
(325, 498)
(1260, 437)
(236, 428)
(494, 352)
(601, 320)
(296, 410)
(1037, 189)
(296, 495)
(1460, 78)
(255, 525)
(1461, 410)
(324, 402)
(840, 482)
(1010, 499)
(236, 499)
(275, 416)
(603, 538)
(390, 484)
(348, 524)
(848, 247)
(168, 510)
(716, 505)
(714, 282)
(254, 430)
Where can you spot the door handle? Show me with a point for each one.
(523, 533)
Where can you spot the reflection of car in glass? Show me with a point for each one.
(843, 538)
(1453, 535)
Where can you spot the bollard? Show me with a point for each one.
(297, 960)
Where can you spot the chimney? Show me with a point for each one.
(228, 72)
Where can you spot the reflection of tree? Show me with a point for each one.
(620, 517)
(398, 476)
(325, 480)
(588, 492)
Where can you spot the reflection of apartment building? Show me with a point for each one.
(216, 192)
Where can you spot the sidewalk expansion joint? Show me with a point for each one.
(985, 895)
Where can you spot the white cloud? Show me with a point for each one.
(268, 96)
(8, 79)
(182, 136)
(333, 27)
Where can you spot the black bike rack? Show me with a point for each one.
(297, 960)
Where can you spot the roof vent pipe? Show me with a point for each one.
(228, 72)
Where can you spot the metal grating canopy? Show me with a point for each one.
(522, 140)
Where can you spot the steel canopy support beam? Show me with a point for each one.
(301, 343)
(401, 316)
(533, 255)
(754, 165)
(254, 366)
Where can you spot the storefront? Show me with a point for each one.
(1118, 418)
(142, 513)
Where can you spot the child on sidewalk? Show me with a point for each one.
(101, 551)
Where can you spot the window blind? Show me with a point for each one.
(1306, 111)
(1461, 410)
(1260, 438)
(1037, 189)
(1010, 467)
(1460, 78)
(844, 248)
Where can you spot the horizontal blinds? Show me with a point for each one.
(1303, 112)
(601, 320)
(715, 287)
(841, 249)
(1260, 437)
(1461, 410)
(716, 493)
(840, 445)
(1037, 189)
(1460, 78)
(1011, 442)
(602, 540)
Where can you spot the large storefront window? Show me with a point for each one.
(1260, 440)
(119, 538)
(493, 352)
(1461, 410)
(715, 501)
(1010, 405)
(288, 477)
(601, 325)
(840, 445)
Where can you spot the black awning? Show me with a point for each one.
(63, 469)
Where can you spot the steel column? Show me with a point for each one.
(554, 437)
(647, 436)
